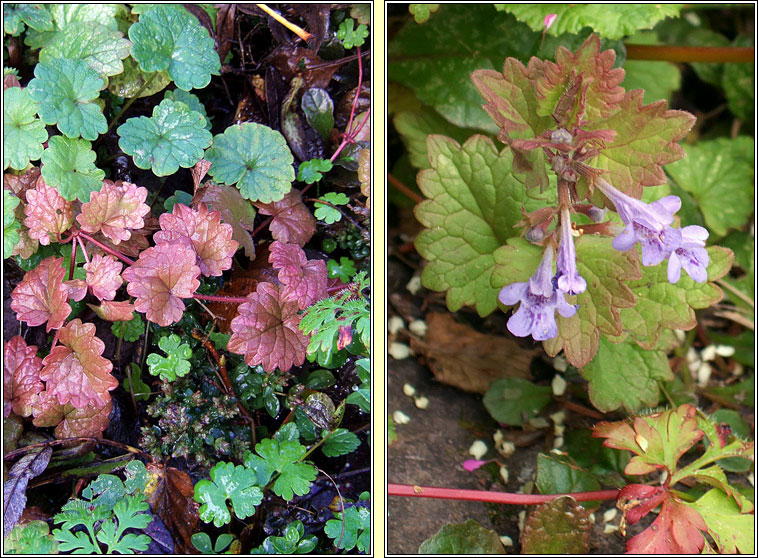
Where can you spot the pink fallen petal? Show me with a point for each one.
(473, 464)
(549, 19)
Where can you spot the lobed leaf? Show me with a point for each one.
(676, 530)
(118, 311)
(173, 137)
(235, 211)
(101, 48)
(64, 89)
(228, 482)
(292, 221)
(41, 295)
(168, 37)
(69, 421)
(191, 100)
(68, 165)
(357, 529)
(34, 15)
(118, 207)
(75, 371)
(31, 538)
(21, 383)
(283, 457)
(23, 132)
(104, 276)
(266, 330)
(160, 278)
(174, 365)
(211, 239)
(304, 280)
(63, 15)
(255, 158)
(47, 213)
(10, 225)
(732, 530)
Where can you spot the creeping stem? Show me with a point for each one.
(493, 497)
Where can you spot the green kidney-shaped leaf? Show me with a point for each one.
(474, 203)
(64, 89)
(173, 137)
(719, 174)
(463, 538)
(23, 132)
(168, 37)
(611, 21)
(509, 400)
(101, 48)
(191, 100)
(69, 165)
(63, 15)
(625, 375)
(10, 224)
(255, 158)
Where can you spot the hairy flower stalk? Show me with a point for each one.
(650, 225)
(568, 279)
(539, 300)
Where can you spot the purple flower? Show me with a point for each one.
(691, 255)
(539, 301)
(569, 280)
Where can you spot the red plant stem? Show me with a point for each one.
(102, 246)
(349, 138)
(215, 298)
(404, 189)
(338, 288)
(493, 497)
(671, 53)
(72, 263)
(84, 250)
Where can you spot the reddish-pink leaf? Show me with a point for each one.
(211, 239)
(104, 276)
(47, 410)
(69, 421)
(76, 372)
(10, 81)
(234, 209)
(47, 213)
(21, 382)
(114, 311)
(41, 296)
(77, 289)
(160, 278)
(266, 330)
(304, 281)
(292, 222)
(22, 183)
(639, 499)
(676, 530)
(114, 210)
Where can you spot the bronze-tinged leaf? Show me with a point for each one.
(10, 81)
(41, 296)
(462, 357)
(234, 209)
(292, 222)
(160, 278)
(290, 61)
(211, 239)
(90, 421)
(75, 371)
(266, 330)
(104, 276)
(114, 310)
(77, 289)
(21, 383)
(170, 493)
(47, 213)
(676, 530)
(115, 210)
(20, 184)
(304, 280)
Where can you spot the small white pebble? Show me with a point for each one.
(560, 363)
(507, 541)
(559, 385)
(399, 351)
(409, 390)
(506, 449)
(414, 285)
(421, 402)
(738, 370)
(504, 474)
(751, 479)
(559, 429)
(559, 417)
(538, 422)
(610, 528)
(692, 355)
(521, 520)
(704, 374)
(709, 353)
(558, 442)
(680, 335)
(400, 417)
(498, 437)
(724, 350)
(478, 449)
(592, 518)
(694, 365)
(556, 451)
(609, 515)
(395, 324)
(418, 327)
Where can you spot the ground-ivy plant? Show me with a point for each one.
(162, 251)
(563, 200)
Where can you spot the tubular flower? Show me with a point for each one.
(569, 280)
(649, 224)
(539, 300)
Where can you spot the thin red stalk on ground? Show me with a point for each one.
(493, 497)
